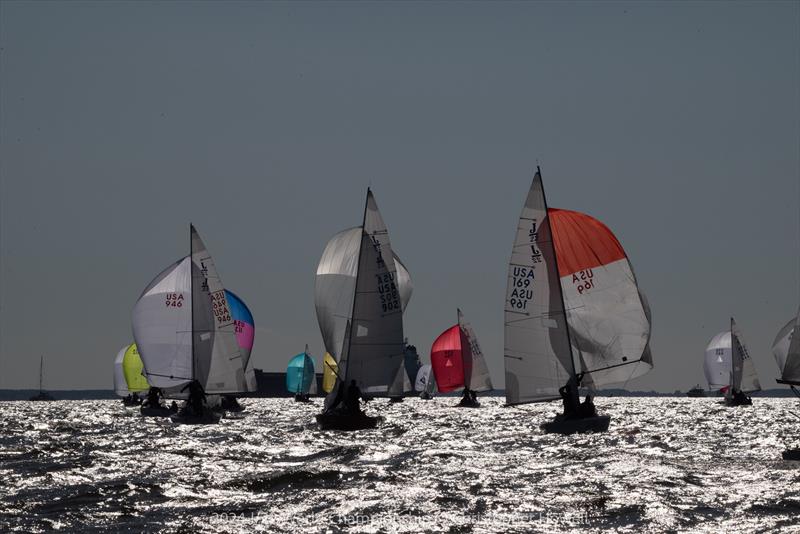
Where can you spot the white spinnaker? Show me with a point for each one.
(162, 326)
(218, 360)
(606, 312)
(335, 286)
(717, 362)
(479, 378)
(786, 349)
(374, 346)
(424, 379)
(537, 353)
(120, 385)
(744, 372)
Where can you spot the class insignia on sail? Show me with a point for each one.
(729, 368)
(359, 308)
(458, 363)
(186, 336)
(574, 314)
(425, 382)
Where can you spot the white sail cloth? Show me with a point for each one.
(120, 385)
(478, 378)
(334, 286)
(183, 327)
(425, 381)
(572, 305)
(786, 349)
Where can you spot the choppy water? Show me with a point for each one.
(666, 463)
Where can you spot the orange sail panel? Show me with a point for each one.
(447, 360)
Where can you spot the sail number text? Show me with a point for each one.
(174, 300)
(220, 307)
(387, 289)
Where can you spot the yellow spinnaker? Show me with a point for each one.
(329, 368)
(132, 368)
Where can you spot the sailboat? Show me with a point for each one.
(185, 333)
(729, 368)
(786, 349)
(458, 363)
(129, 381)
(425, 382)
(574, 314)
(401, 383)
(42, 395)
(359, 308)
(300, 377)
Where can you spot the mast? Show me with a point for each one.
(355, 286)
(558, 276)
(41, 366)
(733, 365)
(191, 291)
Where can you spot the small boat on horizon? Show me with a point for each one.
(42, 395)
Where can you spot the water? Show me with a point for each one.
(665, 464)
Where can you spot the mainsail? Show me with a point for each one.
(373, 341)
(401, 383)
(184, 329)
(572, 305)
(335, 286)
(744, 373)
(786, 349)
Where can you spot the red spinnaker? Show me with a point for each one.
(447, 360)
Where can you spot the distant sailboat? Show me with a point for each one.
(185, 333)
(458, 363)
(359, 307)
(425, 382)
(129, 380)
(300, 376)
(574, 315)
(729, 368)
(786, 349)
(400, 385)
(42, 395)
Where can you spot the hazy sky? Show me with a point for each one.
(677, 124)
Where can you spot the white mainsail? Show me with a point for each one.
(183, 327)
(120, 385)
(374, 344)
(335, 286)
(538, 359)
(786, 349)
(401, 383)
(478, 378)
(744, 373)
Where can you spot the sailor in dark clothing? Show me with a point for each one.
(197, 397)
(587, 408)
(154, 398)
(569, 394)
(352, 400)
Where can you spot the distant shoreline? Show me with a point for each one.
(107, 394)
